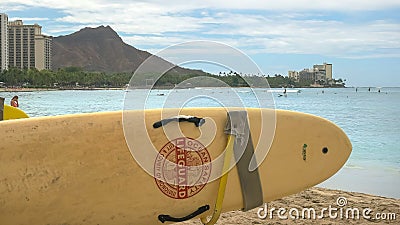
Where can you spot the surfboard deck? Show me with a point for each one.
(78, 169)
(13, 113)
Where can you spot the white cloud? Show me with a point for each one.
(28, 18)
(257, 34)
(270, 26)
(301, 5)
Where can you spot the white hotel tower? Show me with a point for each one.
(23, 46)
(28, 47)
(3, 41)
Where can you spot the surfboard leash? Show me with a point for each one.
(222, 183)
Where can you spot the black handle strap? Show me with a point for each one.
(165, 218)
(192, 119)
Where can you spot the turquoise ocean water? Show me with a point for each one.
(370, 119)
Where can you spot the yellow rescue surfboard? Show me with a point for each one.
(13, 113)
(84, 168)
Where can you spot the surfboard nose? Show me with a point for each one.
(346, 145)
(306, 150)
(334, 148)
(326, 148)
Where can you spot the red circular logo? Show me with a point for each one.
(182, 168)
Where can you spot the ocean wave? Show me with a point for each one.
(351, 166)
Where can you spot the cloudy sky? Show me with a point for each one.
(360, 38)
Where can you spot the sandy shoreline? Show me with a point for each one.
(318, 199)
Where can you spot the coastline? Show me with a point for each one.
(24, 89)
(54, 89)
(319, 199)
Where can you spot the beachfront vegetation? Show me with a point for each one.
(68, 77)
(75, 77)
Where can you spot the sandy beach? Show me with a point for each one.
(377, 210)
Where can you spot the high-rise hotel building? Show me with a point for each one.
(3, 42)
(28, 47)
(23, 46)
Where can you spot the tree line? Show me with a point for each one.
(71, 77)
(67, 77)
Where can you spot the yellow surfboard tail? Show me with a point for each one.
(10, 113)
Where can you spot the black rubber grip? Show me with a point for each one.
(196, 120)
(165, 218)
